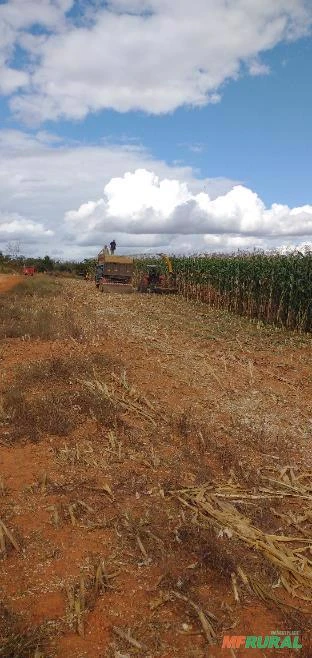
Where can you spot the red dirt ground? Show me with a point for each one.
(8, 281)
(249, 387)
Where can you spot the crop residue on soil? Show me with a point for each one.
(155, 470)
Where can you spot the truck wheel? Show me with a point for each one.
(142, 287)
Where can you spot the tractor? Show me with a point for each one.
(153, 280)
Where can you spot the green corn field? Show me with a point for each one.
(272, 288)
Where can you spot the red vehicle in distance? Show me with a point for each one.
(29, 271)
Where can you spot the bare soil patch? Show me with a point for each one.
(107, 439)
(8, 281)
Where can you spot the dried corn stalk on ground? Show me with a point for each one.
(216, 505)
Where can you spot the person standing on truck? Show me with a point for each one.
(106, 249)
(113, 247)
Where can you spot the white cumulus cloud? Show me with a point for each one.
(151, 55)
(16, 19)
(141, 203)
(153, 206)
(42, 177)
(16, 227)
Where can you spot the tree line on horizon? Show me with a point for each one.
(16, 262)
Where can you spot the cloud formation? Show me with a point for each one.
(141, 203)
(150, 55)
(52, 200)
(16, 227)
(17, 17)
(42, 177)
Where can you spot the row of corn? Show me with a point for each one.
(272, 288)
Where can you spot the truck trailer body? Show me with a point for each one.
(114, 272)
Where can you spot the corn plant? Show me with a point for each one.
(272, 287)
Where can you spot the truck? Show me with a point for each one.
(29, 270)
(114, 273)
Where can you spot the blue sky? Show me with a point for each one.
(236, 124)
(260, 134)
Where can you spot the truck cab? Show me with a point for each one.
(29, 270)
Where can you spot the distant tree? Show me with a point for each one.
(48, 263)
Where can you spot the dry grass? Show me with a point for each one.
(16, 641)
(22, 320)
(56, 413)
(57, 395)
(36, 309)
(218, 555)
(64, 369)
(35, 287)
(52, 413)
(22, 645)
(37, 403)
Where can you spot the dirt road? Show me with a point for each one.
(8, 281)
(135, 398)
